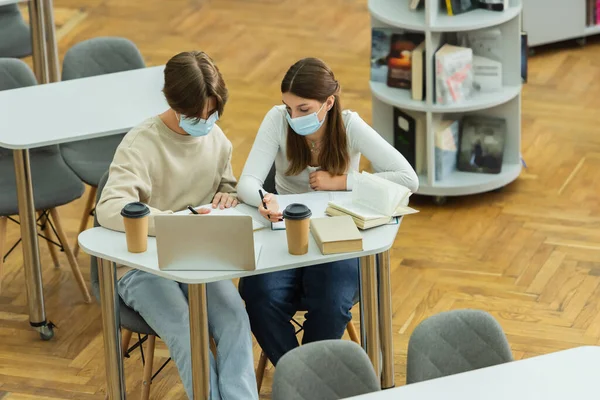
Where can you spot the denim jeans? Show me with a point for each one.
(327, 292)
(163, 305)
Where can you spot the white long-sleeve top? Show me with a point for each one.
(270, 146)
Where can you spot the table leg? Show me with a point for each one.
(199, 341)
(51, 47)
(38, 40)
(111, 324)
(31, 254)
(368, 272)
(385, 320)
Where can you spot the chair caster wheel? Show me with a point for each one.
(46, 332)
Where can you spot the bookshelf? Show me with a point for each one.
(438, 27)
(551, 21)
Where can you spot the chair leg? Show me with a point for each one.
(260, 370)
(3, 224)
(125, 339)
(147, 379)
(48, 233)
(352, 332)
(85, 218)
(72, 261)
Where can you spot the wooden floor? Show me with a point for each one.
(529, 254)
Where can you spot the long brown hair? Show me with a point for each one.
(311, 78)
(191, 77)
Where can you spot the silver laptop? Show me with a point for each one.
(205, 243)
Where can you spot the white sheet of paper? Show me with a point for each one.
(316, 201)
(227, 211)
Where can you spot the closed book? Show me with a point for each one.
(336, 235)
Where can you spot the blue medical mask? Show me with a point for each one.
(200, 128)
(306, 124)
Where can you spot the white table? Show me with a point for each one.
(66, 112)
(567, 374)
(110, 247)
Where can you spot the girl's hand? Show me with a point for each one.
(224, 200)
(323, 180)
(272, 211)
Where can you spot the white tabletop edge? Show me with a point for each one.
(91, 135)
(222, 275)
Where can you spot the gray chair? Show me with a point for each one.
(54, 184)
(90, 159)
(453, 342)
(325, 370)
(15, 35)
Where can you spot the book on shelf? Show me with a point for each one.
(391, 56)
(410, 131)
(487, 75)
(453, 74)
(482, 141)
(416, 4)
(335, 235)
(400, 59)
(374, 198)
(446, 147)
(418, 72)
(484, 42)
(524, 56)
(457, 7)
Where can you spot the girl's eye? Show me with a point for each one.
(303, 111)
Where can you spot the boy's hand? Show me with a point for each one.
(224, 200)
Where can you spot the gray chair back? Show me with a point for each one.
(101, 55)
(15, 35)
(15, 74)
(453, 342)
(130, 319)
(324, 370)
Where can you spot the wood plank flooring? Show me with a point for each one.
(529, 254)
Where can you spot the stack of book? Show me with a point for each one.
(375, 201)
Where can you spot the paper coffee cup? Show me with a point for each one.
(297, 227)
(135, 219)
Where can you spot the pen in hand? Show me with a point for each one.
(262, 198)
(192, 210)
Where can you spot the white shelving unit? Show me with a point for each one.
(550, 21)
(436, 25)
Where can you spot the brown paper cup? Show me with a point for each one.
(297, 228)
(135, 219)
(136, 232)
(297, 236)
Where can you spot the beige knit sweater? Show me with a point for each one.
(166, 171)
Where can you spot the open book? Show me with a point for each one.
(375, 201)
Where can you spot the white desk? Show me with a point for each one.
(567, 374)
(66, 112)
(110, 247)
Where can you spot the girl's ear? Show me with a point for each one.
(330, 102)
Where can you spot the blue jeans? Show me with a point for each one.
(163, 305)
(327, 292)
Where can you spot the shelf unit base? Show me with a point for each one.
(465, 183)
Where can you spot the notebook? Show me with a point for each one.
(336, 235)
(362, 223)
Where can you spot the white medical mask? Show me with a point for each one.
(306, 124)
(200, 128)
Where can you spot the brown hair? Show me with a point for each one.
(191, 78)
(311, 78)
